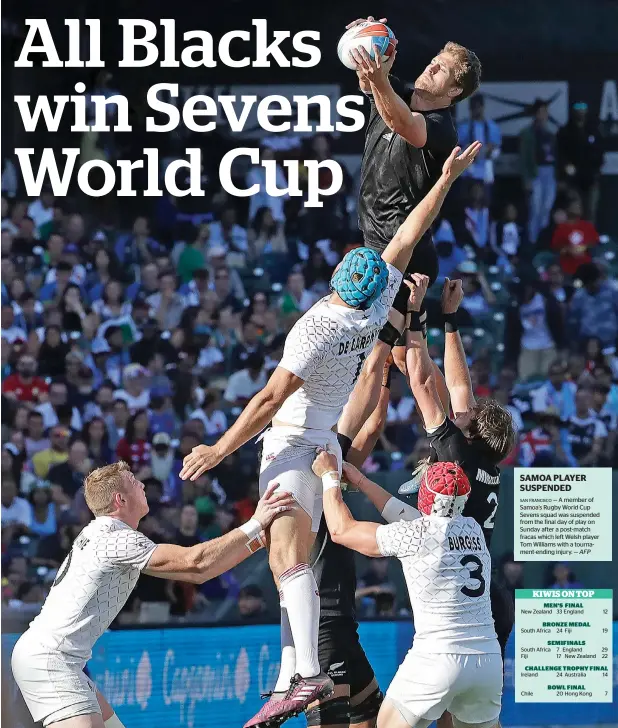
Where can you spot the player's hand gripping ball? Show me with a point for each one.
(367, 34)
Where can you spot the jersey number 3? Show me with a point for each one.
(476, 573)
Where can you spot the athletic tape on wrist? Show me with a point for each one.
(418, 322)
(330, 480)
(389, 334)
(253, 530)
(450, 323)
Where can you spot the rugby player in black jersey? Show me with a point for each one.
(407, 139)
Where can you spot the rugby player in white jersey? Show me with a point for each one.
(323, 357)
(94, 583)
(455, 662)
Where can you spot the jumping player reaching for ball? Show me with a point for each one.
(406, 143)
(323, 356)
(94, 583)
(454, 663)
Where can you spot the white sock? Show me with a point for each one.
(302, 600)
(287, 670)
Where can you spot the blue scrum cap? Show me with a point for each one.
(361, 278)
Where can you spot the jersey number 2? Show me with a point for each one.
(492, 499)
(476, 574)
(361, 361)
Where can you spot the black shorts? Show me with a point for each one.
(341, 655)
(424, 260)
(503, 612)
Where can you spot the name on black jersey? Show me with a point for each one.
(359, 342)
(483, 476)
(466, 543)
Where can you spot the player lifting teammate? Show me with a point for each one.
(454, 663)
(94, 583)
(323, 356)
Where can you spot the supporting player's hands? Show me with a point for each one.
(272, 504)
(418, 288)
(374, 70)
(452, 295)
(199, 460)
(324, 463)
(352, 475)
(459, 161)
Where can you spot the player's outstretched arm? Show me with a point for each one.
(418, 362)
(254, 418)
(391, 508)
(456, 370)
(204, 561)
(399, 251)
(356, 535)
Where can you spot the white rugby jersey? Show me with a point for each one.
(447, 568)
(326, 348)
(92, 586)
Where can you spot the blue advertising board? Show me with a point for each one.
(190, 677)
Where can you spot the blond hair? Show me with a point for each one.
(467, 69)
(494, 425)
(101, 486)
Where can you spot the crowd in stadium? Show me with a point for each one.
(140, 343)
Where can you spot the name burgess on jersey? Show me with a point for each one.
(466, 543)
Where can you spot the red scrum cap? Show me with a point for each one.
(444, 490)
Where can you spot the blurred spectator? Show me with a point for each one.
(16, 511)
(296, 297)
(583, 435)
(543, 438)
(43, 511)
(242, 385)
(138, 248)
(68, 477)
(227, 233)
(24, 385)
(250, 344)
(475, 228)
(214, 419)
(96, 437)
(9, 179)
(593, 311)
(534, 330)
(266, 235)
(557, 285)
(506, 235)
(134, 447)
(41, 211)
(556, 392)
(537, 153)
(134, 391)
(167, 303)
(193, 256)
(251, 604)
(573, 238)
(580, 157)
(561, 577)
(57, 452)
(478, 296)
(479, 128)
(225, 282)
(35, 439)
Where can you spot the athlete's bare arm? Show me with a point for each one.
(204, 561)
(254, 418)
(391, 508)
(456, 370)
(399, 251)
(418, 362)
(344, 529)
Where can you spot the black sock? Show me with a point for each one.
(345, 443)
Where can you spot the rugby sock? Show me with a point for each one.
(287, 670)
(302, 600)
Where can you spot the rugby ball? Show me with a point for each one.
(367, 35)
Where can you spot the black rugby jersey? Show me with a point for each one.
(449, 444)
(395, 176)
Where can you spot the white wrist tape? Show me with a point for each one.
(331, 480)
(253, 530)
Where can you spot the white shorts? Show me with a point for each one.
(287, 456)
(54, 685)
(468, 686)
